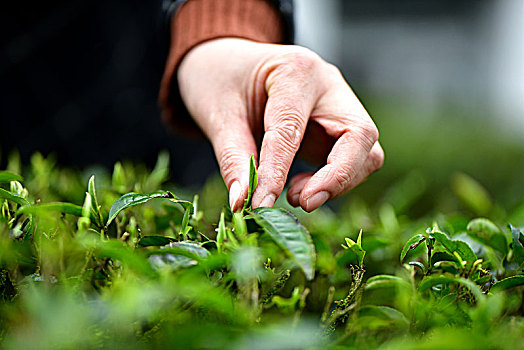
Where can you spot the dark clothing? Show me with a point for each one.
(80, 79)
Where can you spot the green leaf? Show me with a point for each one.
(253, 182)
(131, 199)
(67, 208)
(29, 230)
(442, 256)
(432, 281)
(85, 221)
(419, 265)
(7, 176)
(175, 262)
(482, 280)
(221, 234)
(461, 247)
(119, 251)
(188, 249)
(411, 244)
(384, 312)
(471, 193)
(148, 241)
(483, 226)
(356, 248)
(185, 228)
(239, 223)
(13, 197)
(86, 208)
(119, 180)
(507, 283)
(160, 173)
(177, 255)
(287, 232)
(386, 281)
(191, 247)
(487, 233)
(94, 204)
(518, 244)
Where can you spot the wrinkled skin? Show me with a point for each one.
(247, 96)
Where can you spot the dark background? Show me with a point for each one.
(79, 79)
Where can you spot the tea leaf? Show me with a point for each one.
(385, 312)
(13, 197)
(239, 223)
(471, 193)
(484, 226)
(127, 256)
(160, 173)
(177, 255)
(185, 228)
(386, 281)
(253, 182)
(461, 247)
(411, 244)
(442, 256)
(96, 207)
(186, 248)
(221, 234)
(284, 228)
(487, 233)
(131, 199)
(507, 283)
(432, 281)
(119, 178)
(6, 176)
(67, 208)
(85, 221)
(147, 241)
(518, 244)
(419, 265)
(356, 248)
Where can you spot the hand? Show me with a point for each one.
(242, 93)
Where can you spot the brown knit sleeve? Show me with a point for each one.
(202, 20)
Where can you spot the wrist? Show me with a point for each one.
(198, 21)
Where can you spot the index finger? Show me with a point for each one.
(291, 97)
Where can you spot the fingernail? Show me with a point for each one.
(268, 201)
(316, 200)
(234, 194)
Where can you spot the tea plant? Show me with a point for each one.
(116, 261)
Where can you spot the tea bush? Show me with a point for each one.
(125, 260)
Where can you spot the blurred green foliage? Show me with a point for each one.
(179, 270)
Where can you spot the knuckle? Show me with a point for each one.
(300, 60)
(283, 140)
(333, 69)
(367, 134)
(343, 178)
(287, 114)
(303, 55)
(288, 129)
(279, 175)
(370, 129)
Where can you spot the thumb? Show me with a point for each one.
(234, 144)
